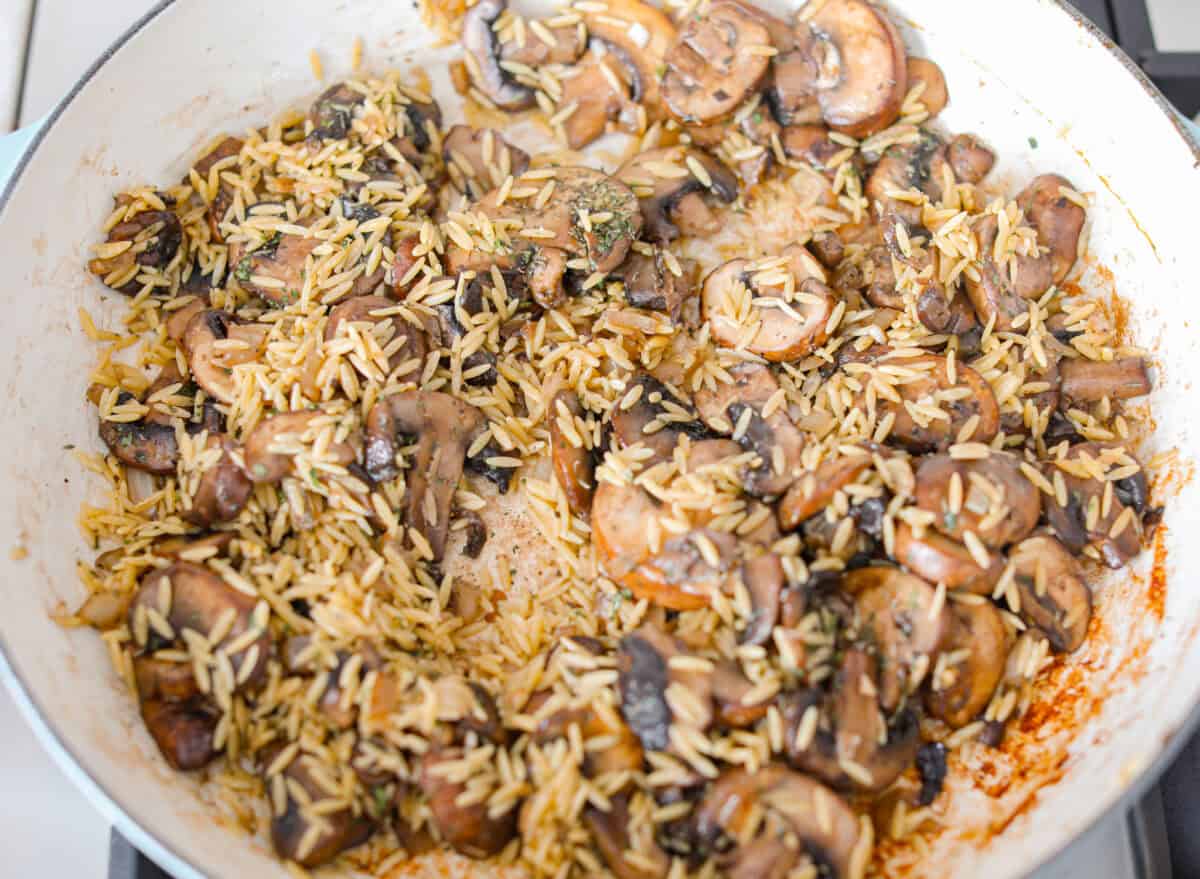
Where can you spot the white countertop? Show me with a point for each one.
(49, 829)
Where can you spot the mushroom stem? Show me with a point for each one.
(1089, 381)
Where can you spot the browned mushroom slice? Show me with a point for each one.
(642, 662)
(150, 239)
(271, 447)
(479, 41)
(333, 111)
(781, 321)
(997, 297)
(656, 417)
(621, 527)
(190, 596)
(545, 44)
(570, 452)
(934, 96)
(969, 158)
(144, 444)
(599, 95)
(670, 190)
(222, 196)
(614, 217)
(1052, 594)
(939, 559)
(933, 409)
(810, 143)
(814, 491)
(764, 580)
(471, 830)
(828, 248)
(223, 488)
(919, 166)
(962, 685)
(445, 427)
(862, 69)
(180, 719)
(276, 269)
(401, 341)
(610, 832)
(1057, 218)
(478, 159)
(792, 90)
(1094, 514)
(774, 438)
(544, 272)
(303, 834)
(902, 614)
(717, 61)
(640, 36)
(989, 497)
(1090, 381)
(625, 752)
(827, 828)
(686, 572)
(650, 282)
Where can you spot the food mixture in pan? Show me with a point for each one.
(669, 500)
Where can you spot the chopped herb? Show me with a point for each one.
(381, 796)
(757, 118)
(1033, 142)
(949, 520)
(243, 269)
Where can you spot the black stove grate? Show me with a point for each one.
(1177, 74)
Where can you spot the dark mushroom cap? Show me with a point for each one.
(764, 580)
(275, 270)
(651, 283)
(610, 832)
(935, 95)
(1057, 218)
(1051, 590)
(333, 111)
(470, 830)
(339, 830)
(713, 65)
(991, 289)
(266, 459)
(211, 367)
(869, 753)
(476, 157)
(669, 200)
(154, 238)
(938, 559)
(143, 444)
(862, 66)
(989, 497)
(652, 419)
(969, 158)
(1090, 381)
(180, 719)
(1086, 518)
(620, 27)
(406, 341)
(479, 40)
(223, 488)
(921, 166)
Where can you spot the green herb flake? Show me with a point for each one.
(1033, 142)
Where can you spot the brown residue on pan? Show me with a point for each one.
(1156, 589)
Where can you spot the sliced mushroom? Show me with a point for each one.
(271, 447)
(1057, 218)
(923, 395)
(903, 616)
(650, 282)
(775, 439)
(444, 427)
(478, 159)
(400, 340)
(150, 238)
(471, 830)
(625, 752)
(190, 596)
(1094, 515)
(828, 248)
(813, 492)
(610, 831)
(223, 488)
(479, 41)
(573, 462)
(455, 320)
(717, 61)
(764, 580)
(919, 166)
(180, 718)
(545, 44)
(939, 559)
(861, 63)
(996, 295)
(304, 835)
(792, 91)
(600, 95)
(686, 572)
(827, 828)
(989, 497)
(144, 444)
(934, 96)
(810, 143)
(276, 269)
(1090, 381)
(778, 321)
(1051, 590)
(969, 158)
(640, 35)
(333, 111)
(657, 417)
(979, 644)
(225, 149)
(670, 190)
(642, 662)
(604, 242)
(621, 521)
